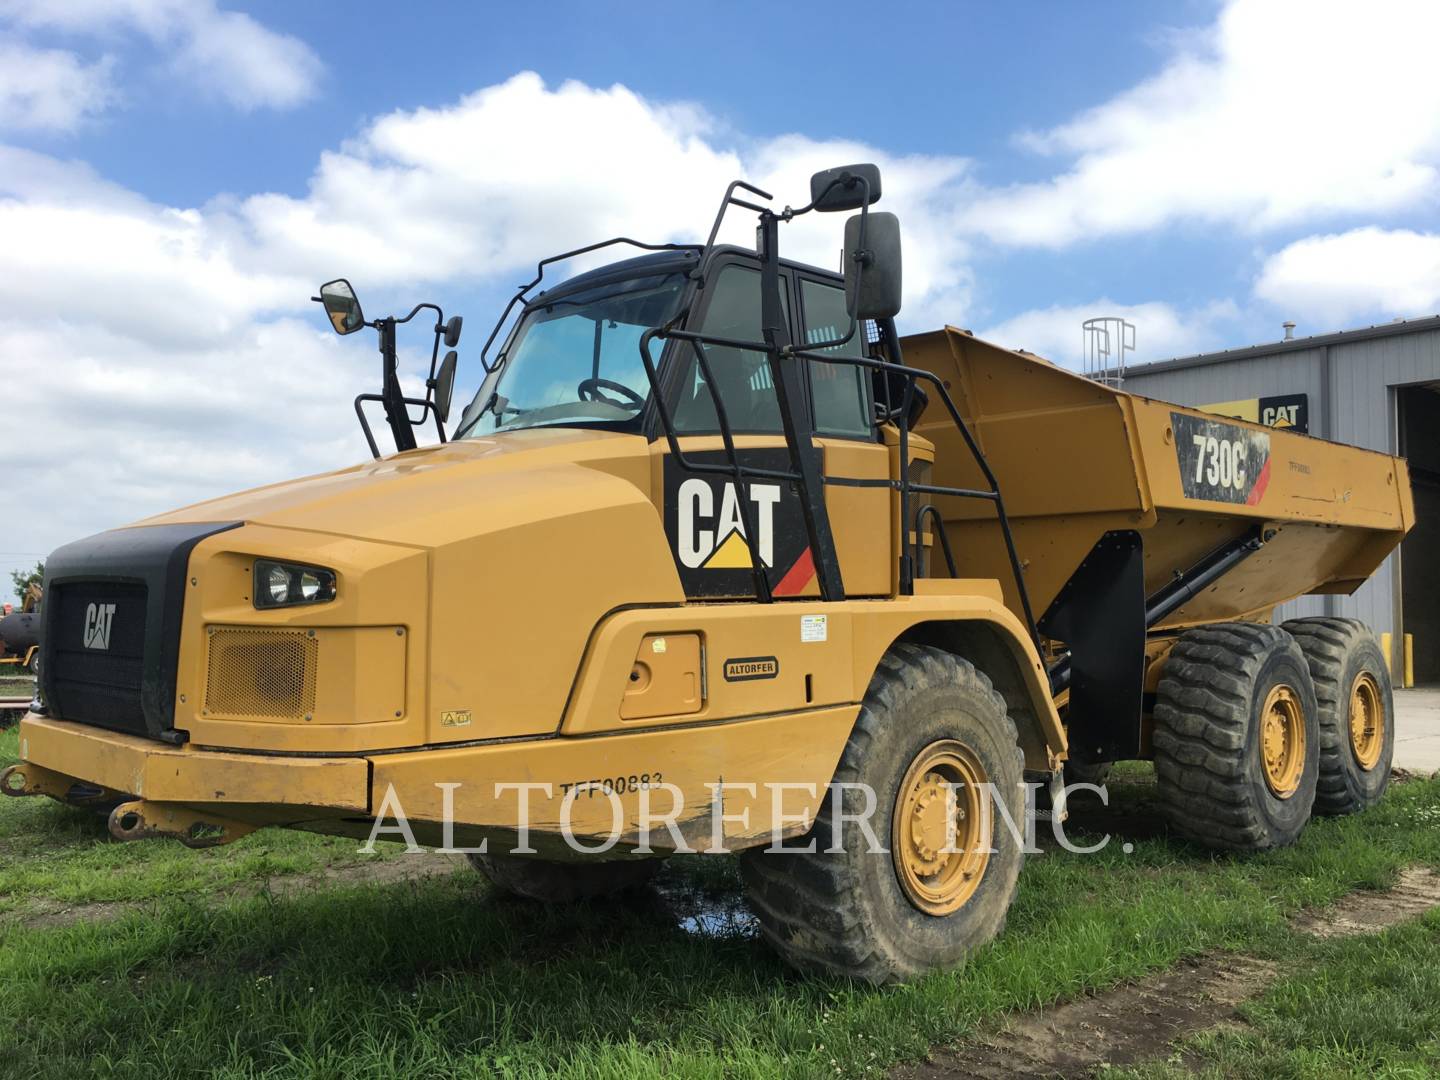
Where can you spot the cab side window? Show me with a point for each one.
(840, 392)
(742, 376)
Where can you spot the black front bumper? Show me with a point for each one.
(111, 637)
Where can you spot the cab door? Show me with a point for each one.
(705, 517)
(857, 464)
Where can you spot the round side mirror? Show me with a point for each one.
(444, 385)
(342, 306)
(452, 331)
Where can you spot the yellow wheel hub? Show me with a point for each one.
(940, 841)
(1282, 741)
(1367, 721)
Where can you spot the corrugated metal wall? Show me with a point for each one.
(1351, 397)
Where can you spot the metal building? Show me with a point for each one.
(1377, 387)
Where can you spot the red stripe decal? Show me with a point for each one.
(797, 577)
(1261, 483)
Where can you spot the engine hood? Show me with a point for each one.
(435, 495)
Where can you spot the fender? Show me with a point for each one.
(763, 659)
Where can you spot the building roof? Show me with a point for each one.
(1274, 348)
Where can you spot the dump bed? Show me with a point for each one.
(1076, 459)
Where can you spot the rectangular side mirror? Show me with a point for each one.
(842, 188)
(444, 386)
(874, 294)
(342, 306)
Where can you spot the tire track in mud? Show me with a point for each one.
(1140, 1021)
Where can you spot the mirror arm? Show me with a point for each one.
(860, 259)
(392, 396)
(845, 179)
(434, 354)
(439, 315)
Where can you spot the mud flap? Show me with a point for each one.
(1100, 615)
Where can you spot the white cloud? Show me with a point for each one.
(1161, 330)
(520, 170)
(157, 368)
(1364, 271)
(243, 63)
(50, 89)
(226, 54)
(132, 427)
(1282, 112)
(171, 353)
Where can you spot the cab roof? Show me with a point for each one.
(681, 260)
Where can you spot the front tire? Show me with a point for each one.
(930, 724)
(551, 882)
(1357, 712)
(1237, 739)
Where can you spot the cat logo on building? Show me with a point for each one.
(1289, 411)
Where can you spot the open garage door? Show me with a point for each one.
(1419, 431)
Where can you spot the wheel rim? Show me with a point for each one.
(1282, 722)
(939, 871)
(1367, 721)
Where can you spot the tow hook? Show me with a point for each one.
(24, 779)
(141, 820)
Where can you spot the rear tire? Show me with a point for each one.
(928, 718)
(550, 882)
(1237, 737)
(1357, 712)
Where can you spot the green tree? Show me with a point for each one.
(23, 578)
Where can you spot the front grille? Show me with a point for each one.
(96, 643)
(110, 643)
(262, 673)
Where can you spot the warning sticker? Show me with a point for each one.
(814, 627)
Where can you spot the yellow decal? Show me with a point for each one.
(455, 718)
(1238, 410)
(731, 554)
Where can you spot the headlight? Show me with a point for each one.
(279, 584)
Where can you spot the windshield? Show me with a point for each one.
(575, 359)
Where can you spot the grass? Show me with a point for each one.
(1359, 1007)
(53, 854)
(442, 978)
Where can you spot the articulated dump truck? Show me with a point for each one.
(715, 560)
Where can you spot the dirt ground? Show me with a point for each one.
(1140, 1021)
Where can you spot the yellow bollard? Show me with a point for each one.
(1409, 661)
(1386, 640)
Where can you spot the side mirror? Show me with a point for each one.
(444, 384)
(842, 189)
(342, 306)
(452, 331)
(875, 294)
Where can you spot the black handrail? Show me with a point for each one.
(931, 510)
(904, 485)
(519, 297)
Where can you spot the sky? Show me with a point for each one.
(176, 177)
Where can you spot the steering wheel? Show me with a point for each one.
(589, 390)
